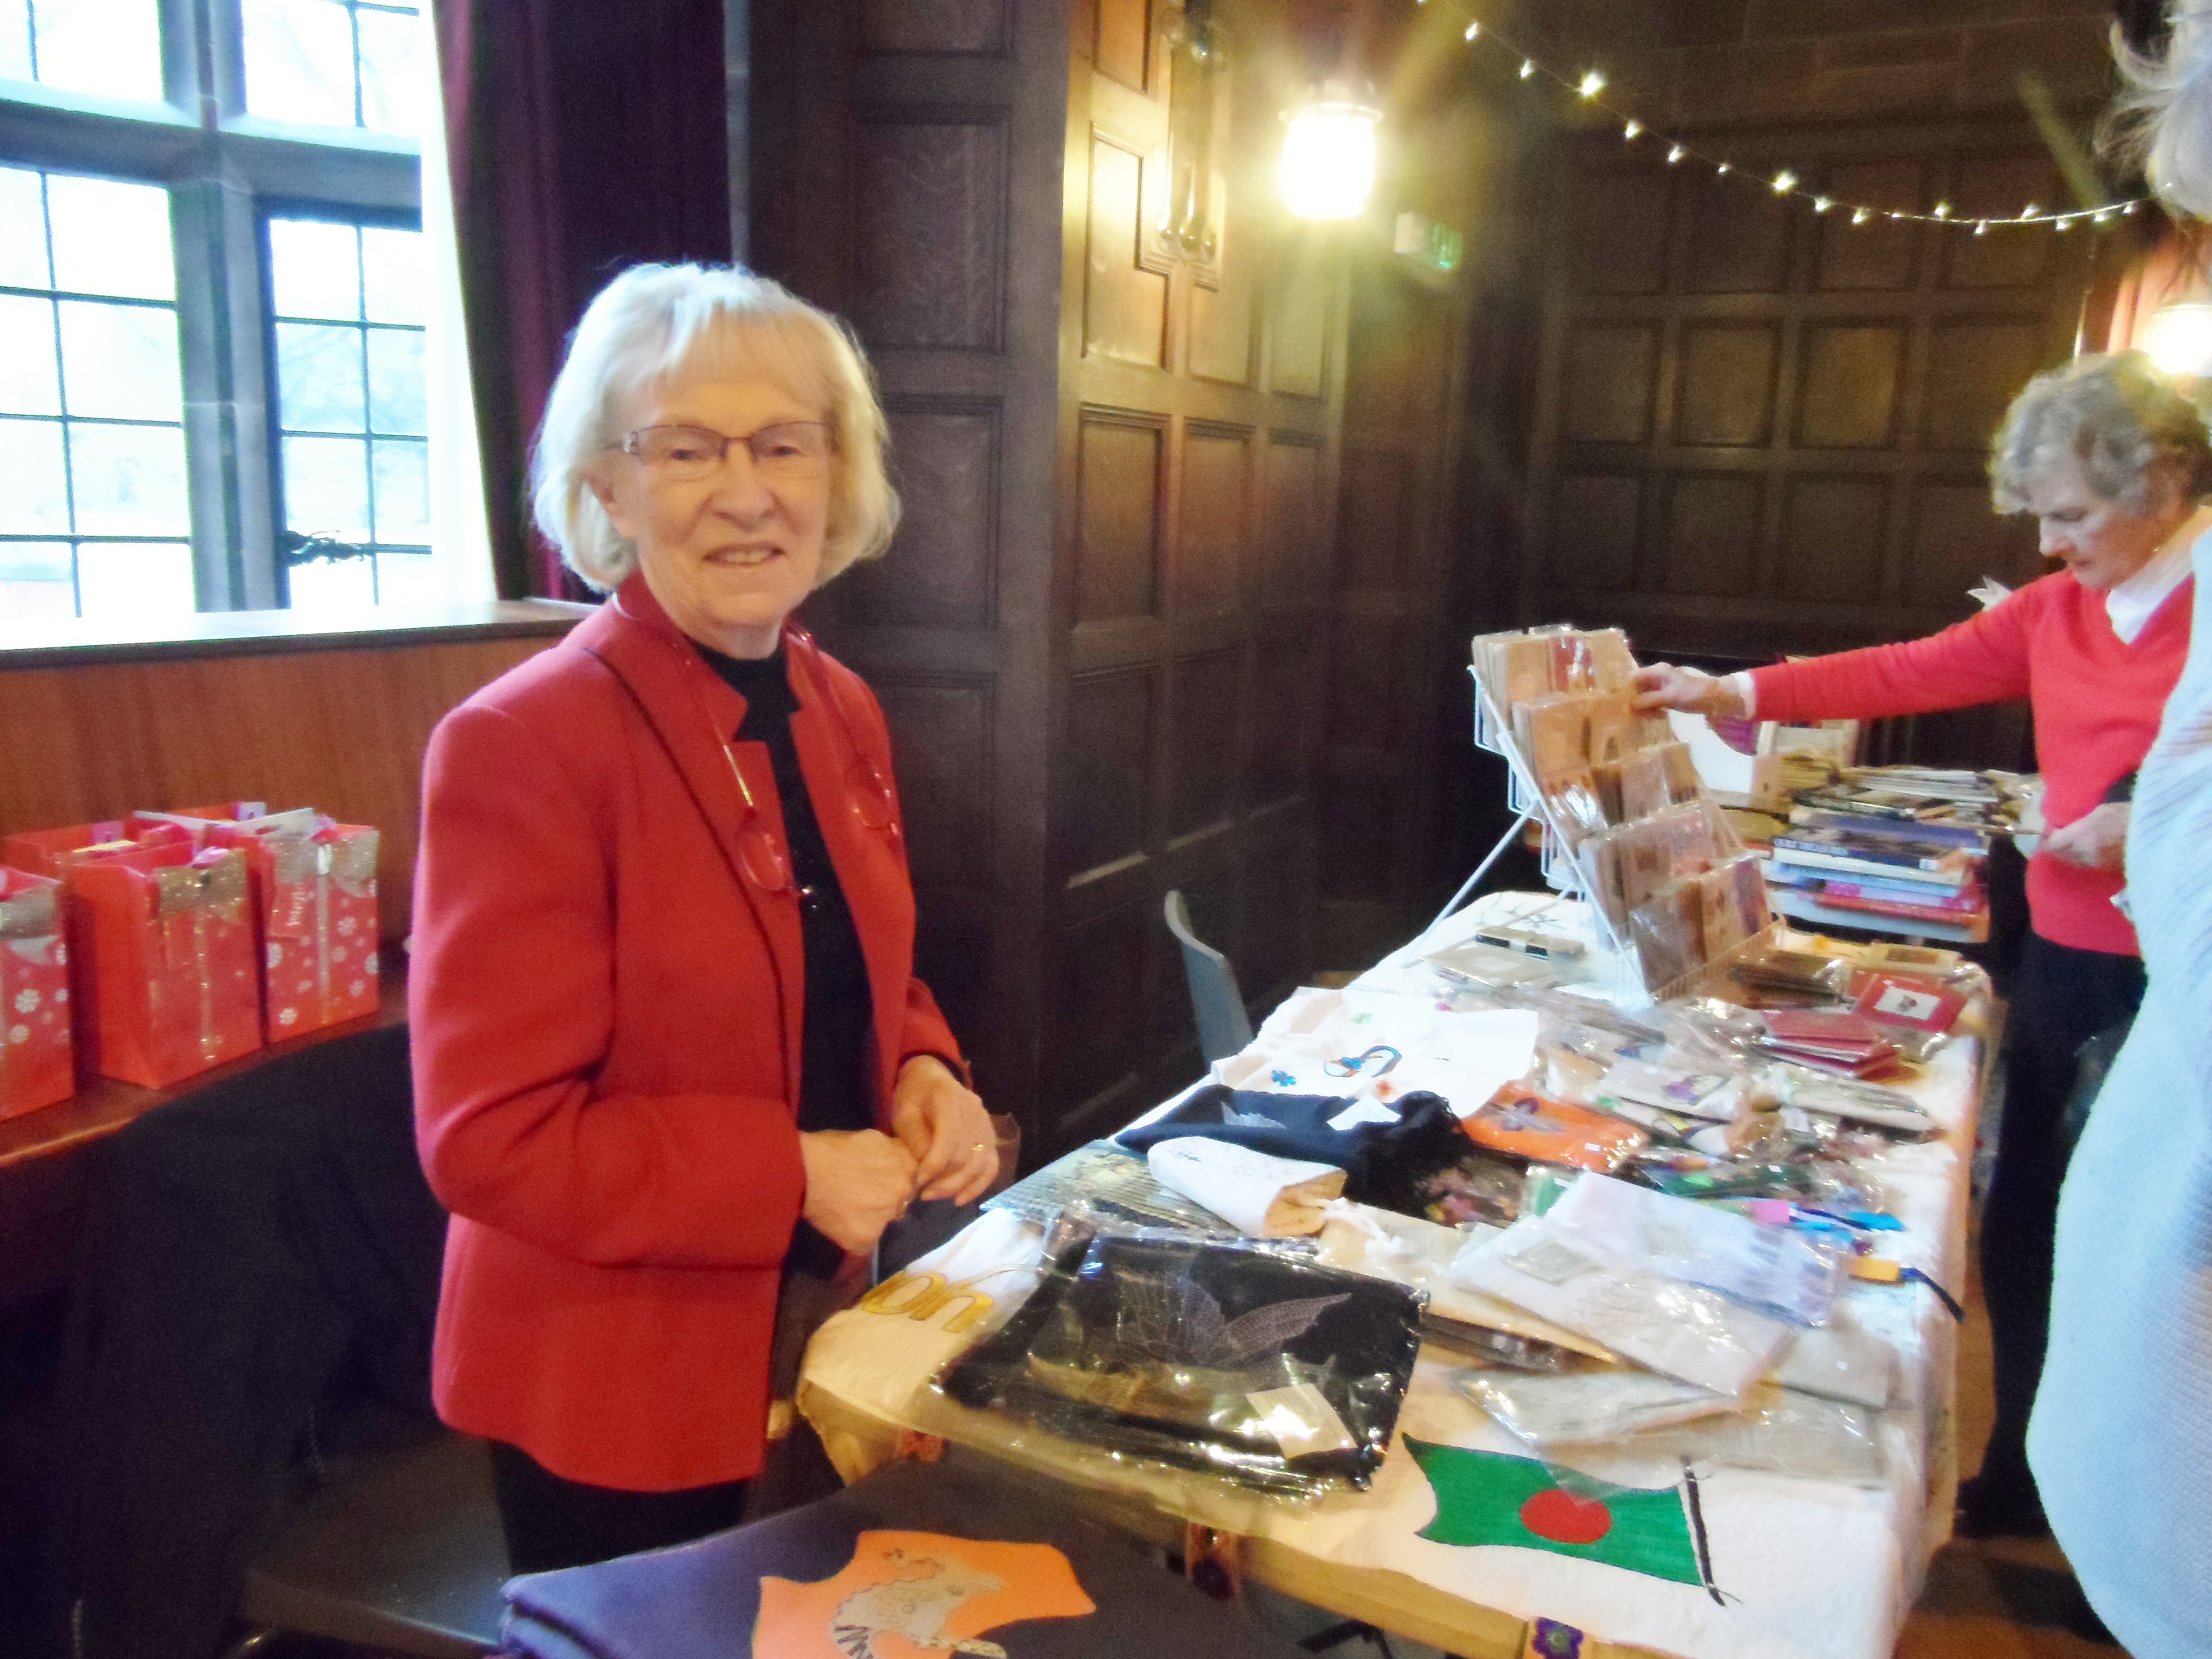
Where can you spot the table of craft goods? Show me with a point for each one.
(1800, 1569)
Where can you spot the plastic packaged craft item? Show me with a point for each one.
(1554, 734)
(1803, 973)
(1587, 1405)
(1778, 1431)
(1720, 915)
(1571, 658)
(1279, 1373)
(1683, 1331)
(1613, 665)
(1668, 933)
(1407, 1251)
(1573, 798)
(1771, 1270)
(1910, 1001)
(1543, 1184)
(1840, 1362)
(1681, 772)
(1523, 1124)
(1716, 1094)
(1863, 1103)
(37, 1057)
(1476, 1189)
(1642, 786)
(1615, 731)
(1516, 668)
(1118, 1184)
(1584, 1013)
(1266, 1197)
(1487, 967)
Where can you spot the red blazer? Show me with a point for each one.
(605, 1010)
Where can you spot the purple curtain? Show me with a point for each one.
(584, 136)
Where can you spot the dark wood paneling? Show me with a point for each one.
(939, 25)
(1123, 45)
(1298, 335)
(1974, 372)
(1712, 535)
(1878, 254)
(341, 730)
(941, 743)
(1594, 524)
(1207, 724)
(1728, 386)
(1617, 231)
(1118, 517)
(2002, 184)
(1834, 531)
(938, 573)
(1956, 541)
(1284, 692)
(1611, 382)
(1105, 783)
(932, 233)
(1293, 551)
(1214, 506)
(1851, 373)
(1738, 239)
(1367, 691)
(1375, 510)
(1124, 304)
(1099, 1043)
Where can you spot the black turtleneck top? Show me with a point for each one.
(839, 1008)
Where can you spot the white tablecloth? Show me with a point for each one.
(1808, 1569)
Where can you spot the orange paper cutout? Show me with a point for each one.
(916, 1595)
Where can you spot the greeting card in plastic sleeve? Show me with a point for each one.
(37, 1058)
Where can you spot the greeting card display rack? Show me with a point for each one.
(1621, 980)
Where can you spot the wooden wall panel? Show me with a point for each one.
(1616, 233)
(1118, 517)
(1100, 1026)
(1106, 784)
(1124, 304)
(932, 242)
(1208, 731)
(340, 728)
(978, 27)
(941, 748)
(1822, 394)
(1123, 45)
(1375, 522)
(1728, 386)
(1610, 384)
(1294, 551)
(1215, 507)
(1851, 375)
(1297, 342)
(938, 570)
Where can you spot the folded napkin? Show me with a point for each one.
(1266, 1197)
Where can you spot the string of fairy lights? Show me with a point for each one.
(1589, 87)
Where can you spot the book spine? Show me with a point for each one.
(1966, 901)
(1865, 870)
(1953, 835)
(1909, 912)
(1900, 856)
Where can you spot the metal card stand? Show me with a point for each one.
(1565, 873)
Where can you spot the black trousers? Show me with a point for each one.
(2062, 997)
(551, 1522)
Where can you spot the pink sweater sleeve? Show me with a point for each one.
(1982, 659)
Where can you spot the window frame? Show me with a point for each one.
(226, 173)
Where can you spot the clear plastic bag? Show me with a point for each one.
(1588, 1403)
(1780, 1432)
(1250, 1361)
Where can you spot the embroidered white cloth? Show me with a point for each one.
(2121, 1442)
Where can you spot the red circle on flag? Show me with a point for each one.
(1564, 1518)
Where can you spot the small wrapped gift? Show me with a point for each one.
(37, 1063)
(164, 942)
(316, 900)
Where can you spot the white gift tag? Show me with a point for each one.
(1301, 1419)
(1363, 1110)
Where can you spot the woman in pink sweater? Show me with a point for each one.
(2113, 462)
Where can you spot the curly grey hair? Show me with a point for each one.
(2164, 119)
(2119, 413)
(653, 322)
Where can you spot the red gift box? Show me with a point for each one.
(37, 1060)
(163, 943)
(44, 852)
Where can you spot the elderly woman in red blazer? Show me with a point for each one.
(670, 1051)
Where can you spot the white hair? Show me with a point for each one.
(2165, 117)
(2119, 414)
(652, 323)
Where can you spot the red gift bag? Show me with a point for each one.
(166, 975)
(37, 1063)
(315, 900)
(43, 851)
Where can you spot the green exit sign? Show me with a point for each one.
(1426, 242)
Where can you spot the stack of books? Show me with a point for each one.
(1899, 870)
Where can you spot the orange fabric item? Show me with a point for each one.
(606, 1014)
(1524, 1124)
(913, 1595)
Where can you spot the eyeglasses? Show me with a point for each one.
(796, 450)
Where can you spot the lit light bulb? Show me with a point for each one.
(1592, 84)
(1725, 166)
(1675, 152)
(1631, 131)
(2180, 338)
(1943, 210)
(1784, 182)
(2100, 218)
(1859, 215)
(1328, 169)
(2063, 224)
(1822, 203)
(1528, 68)
(2030, 210)
(1473, 29)
(1981, 227)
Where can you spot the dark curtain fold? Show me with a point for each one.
(583, 136)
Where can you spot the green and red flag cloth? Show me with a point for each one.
(1491, 1498)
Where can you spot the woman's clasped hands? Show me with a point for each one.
(942, 1145)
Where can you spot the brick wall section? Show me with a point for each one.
(1689, 63)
